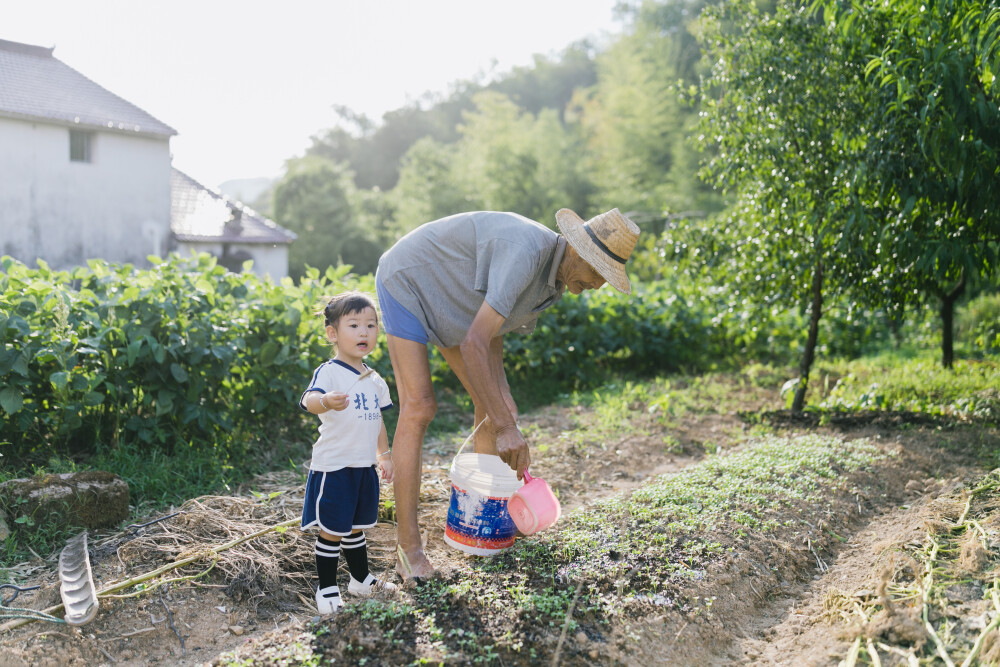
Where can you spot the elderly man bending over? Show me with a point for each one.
(461, 283)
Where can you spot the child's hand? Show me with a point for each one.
(334, 400)
(385, 466)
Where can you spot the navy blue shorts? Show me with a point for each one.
(396, 320)
(341, 501)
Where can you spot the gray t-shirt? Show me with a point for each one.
(443, 270)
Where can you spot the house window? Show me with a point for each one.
(79, 146)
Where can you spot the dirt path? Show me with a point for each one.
(816, 622)
(793, 604)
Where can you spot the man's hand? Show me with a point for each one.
(513, 450)
(334, 400)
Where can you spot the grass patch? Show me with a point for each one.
(668, 398)
(158, 480)
(658, 533)
(971, 390)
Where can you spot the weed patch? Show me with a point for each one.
(970, 391)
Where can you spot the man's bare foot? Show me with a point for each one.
(413, 565)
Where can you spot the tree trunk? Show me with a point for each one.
(948, 300)
(809, 354)
(896, 329)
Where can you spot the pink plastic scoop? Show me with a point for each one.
(533, 507)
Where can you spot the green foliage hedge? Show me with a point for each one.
(584, 338)
(184, 352)
(187, 353)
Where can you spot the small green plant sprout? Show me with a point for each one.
(788, 391)
(266, 497)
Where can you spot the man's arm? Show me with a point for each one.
(496, 361)
(484, 367)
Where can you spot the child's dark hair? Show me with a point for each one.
(346, 303)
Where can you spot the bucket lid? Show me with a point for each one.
(486, 473)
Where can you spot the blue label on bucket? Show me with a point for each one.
(479, 521)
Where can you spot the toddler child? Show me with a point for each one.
(342, 491)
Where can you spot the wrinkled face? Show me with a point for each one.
(355, 334)
(580, 275)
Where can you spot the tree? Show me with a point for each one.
(316, 199)
(929, 175)
(506, 159)
(550, 83)
(426, 190)
(373, 151)
(511, 160)
(779, 111)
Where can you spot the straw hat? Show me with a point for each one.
(605, 242)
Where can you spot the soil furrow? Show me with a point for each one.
(771, 591)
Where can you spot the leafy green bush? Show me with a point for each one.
(979, 323)
(662, 326)
(185, 352)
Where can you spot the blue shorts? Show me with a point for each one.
(341, 501)
(396, 320)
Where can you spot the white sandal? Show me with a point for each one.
(328, 600)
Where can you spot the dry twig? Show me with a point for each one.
(569, 615)
(170, 622)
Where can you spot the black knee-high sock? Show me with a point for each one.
(327, 559)
(356, 554)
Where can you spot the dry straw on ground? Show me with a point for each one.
(277, 566)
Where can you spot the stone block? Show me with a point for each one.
(92, 499)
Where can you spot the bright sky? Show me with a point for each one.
(246, 83)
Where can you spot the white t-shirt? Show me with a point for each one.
(348, 438)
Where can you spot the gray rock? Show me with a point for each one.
(92, 499)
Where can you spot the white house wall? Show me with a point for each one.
(268, 260)
(116, 207)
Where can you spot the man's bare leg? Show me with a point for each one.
(416, 409)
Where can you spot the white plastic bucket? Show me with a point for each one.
(478, 520)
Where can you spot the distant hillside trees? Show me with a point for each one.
(590, 129)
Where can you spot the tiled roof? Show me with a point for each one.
(198, 214)
(34, 84)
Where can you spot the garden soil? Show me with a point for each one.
(774, 603)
